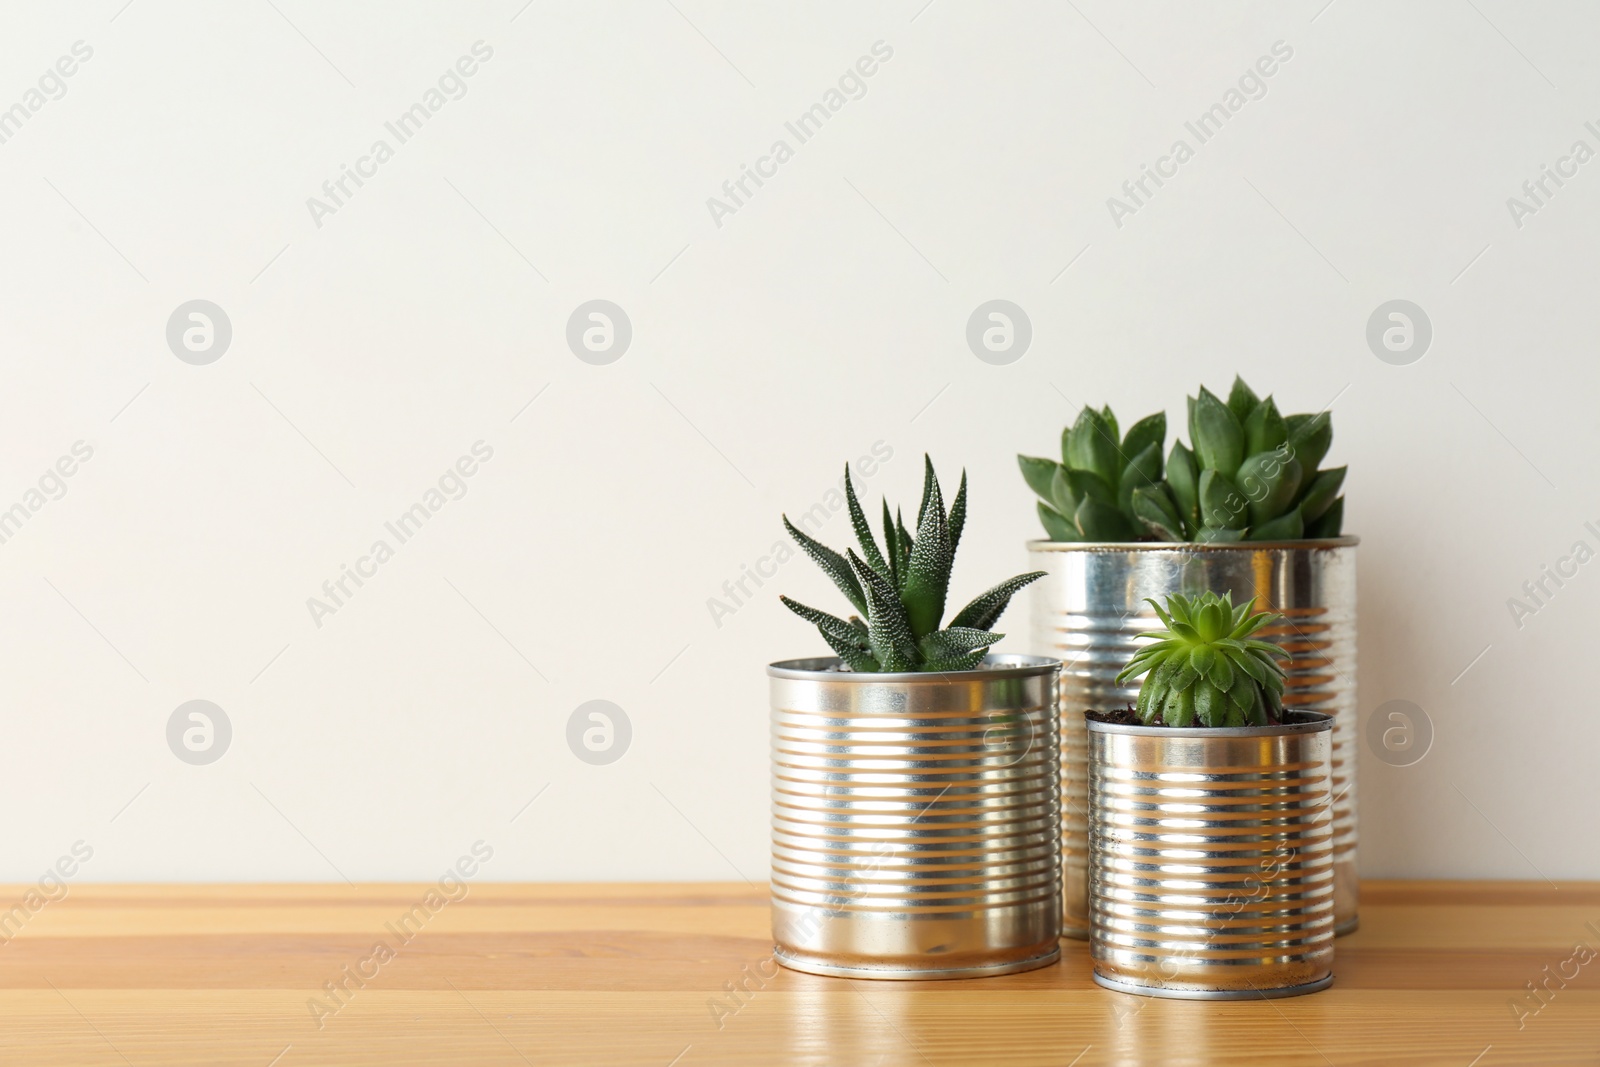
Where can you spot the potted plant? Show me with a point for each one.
(1210, 842)
(1247, 511)
(915, 807)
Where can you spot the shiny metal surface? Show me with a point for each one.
(1089, 606)
(1211, 858)
(916, 819)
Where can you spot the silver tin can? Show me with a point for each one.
(1089, 606)
(916, 819)
(1211, 859)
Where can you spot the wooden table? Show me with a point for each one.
(638, 974)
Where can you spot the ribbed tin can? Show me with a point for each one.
(1211, 858)
(916, 819)
(1090, 605)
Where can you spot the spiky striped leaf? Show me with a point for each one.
(987, 607)
(957, 641)
(928, 577)
(832, 564)
(957, 520)
(888, 630)
(858, 519)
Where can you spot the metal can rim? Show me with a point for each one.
(1310, 722)
(998, 666)
(1042, 545)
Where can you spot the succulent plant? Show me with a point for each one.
(1096, 492)
(1206, 668)
(901, 589)
(1252, 475)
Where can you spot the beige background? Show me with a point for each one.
(826, 314)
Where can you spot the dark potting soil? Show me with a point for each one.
(1126, 717)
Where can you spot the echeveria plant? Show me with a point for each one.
(1094, 493)
(1205, 668)
(901, 590)
(1252, 475)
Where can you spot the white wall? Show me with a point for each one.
(827, 313)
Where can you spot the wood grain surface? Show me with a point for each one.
(640, 974)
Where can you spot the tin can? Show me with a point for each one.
(1211, 858)
(1090, 605)
(916, 819)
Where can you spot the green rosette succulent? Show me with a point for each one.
(901, 589)
(1095, 493)
(1252, 474)
(1205, 669)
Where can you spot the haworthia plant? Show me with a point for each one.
(1098, 491)
(1205, 669)
(901, 589)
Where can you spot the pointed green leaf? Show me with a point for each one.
(1219, 439)
(1264, 429)
(1269, 481)
(1222, 506)
(1242, 400)
(858, 519)
(1330, 522)
(1243, 690)
(1310, 436)
(957, 519)
(1210, 706)
(1092, 446)
(1152, 505)
(1178, 708)
(1249, 665)
(1102, 522)
(956, 641)
(1184, 676)
(832, 564)
(1202, 659)
(1062, 497)
(1057, 527)
(1320, 494)
(1086, 485)
(1213, 535)
(1038, 472)
(828, 624)
(1222, 672)
(964, 662)
(1143, 470)
(987, 607)
(930, 489)
(1289, 527)
(891, 547)
(928, 577)
(1150, 430)
(842, 637)
(903, 547)
(1110, 418)
(888, 630)
(1183, 478)
(857, 658)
